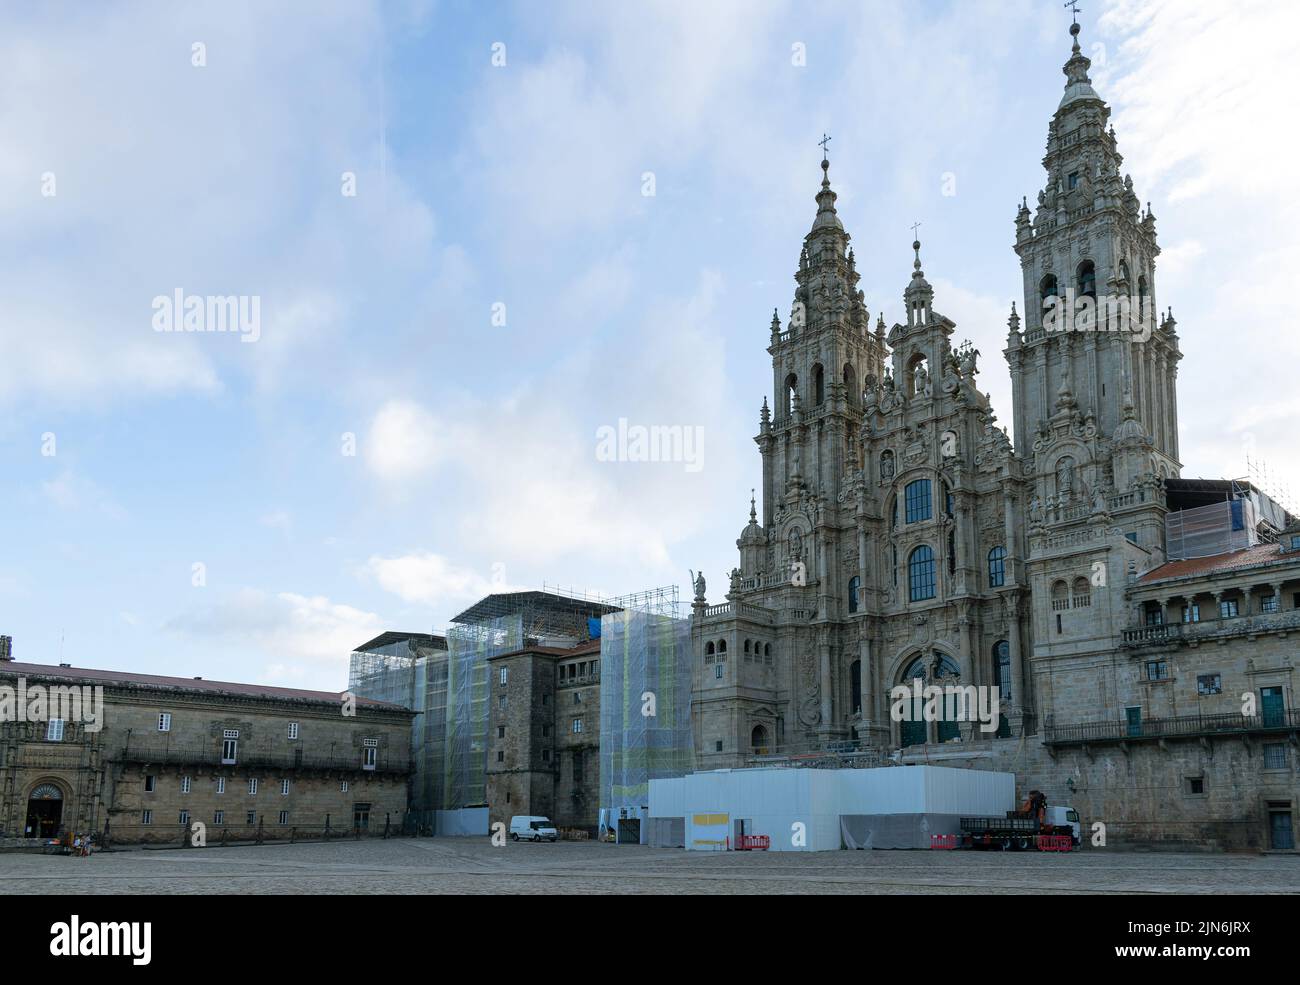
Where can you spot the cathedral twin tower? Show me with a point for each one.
(902, 534)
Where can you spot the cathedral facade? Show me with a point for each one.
(900, 534)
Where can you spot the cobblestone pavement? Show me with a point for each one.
(462, 865)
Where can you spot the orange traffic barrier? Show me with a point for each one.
(943, 841)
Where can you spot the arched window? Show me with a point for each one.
(1060, 596)
(851, 385)
(1087, 279)
(1002, 668)
(767, 653)
(791, 388)
(920, 574)
(917, 497)
(1123, 271)
(746, 649)
(1081, 596)
(1047, 291)
(855, 583)
(819, 384)
(708, 652)
(855, 686)
(997, 567)
(722, 646)
(1142, 297)
(758, 740)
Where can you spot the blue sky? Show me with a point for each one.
(521, 185)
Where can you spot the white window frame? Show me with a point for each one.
(577, 726)
(146, 816)
(184, 817)
(185, 784)
(229, 751)
(293, 730)
(505, 675)
(221, 784)
(164, 721)
(252, 786)
(150, 783)
(344, 787)
(369, 756)
(218, 817)
(284, 817)
(284, 788)
(54, 730)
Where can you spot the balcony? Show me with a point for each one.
(1170, 634)
(202, 756)
(581, 680)
(1280, 722)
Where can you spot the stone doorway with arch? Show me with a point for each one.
(934, 668)
(45, 810)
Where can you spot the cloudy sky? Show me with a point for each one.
(416, 421)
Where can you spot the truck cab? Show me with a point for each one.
(1062, 817)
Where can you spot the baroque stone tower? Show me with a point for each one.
(901, 537)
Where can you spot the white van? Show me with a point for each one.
(532, 827)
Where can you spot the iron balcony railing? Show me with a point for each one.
(1184, 726)
(170, 755)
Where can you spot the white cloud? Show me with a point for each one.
(430, 579)
(303, 635)
(404, 442)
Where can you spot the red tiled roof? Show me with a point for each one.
(187, 683)
(1193, 566)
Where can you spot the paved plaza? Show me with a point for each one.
(459, 865)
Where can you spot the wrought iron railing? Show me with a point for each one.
(172, 755)
(1183, 726)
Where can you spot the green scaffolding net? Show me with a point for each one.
(645, 705)
(464, 744)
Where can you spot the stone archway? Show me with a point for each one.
(45, 806)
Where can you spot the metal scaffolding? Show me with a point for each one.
(645, 701)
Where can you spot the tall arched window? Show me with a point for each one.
(1087, 279)
(851, 385)
(1142, 297)
(920, 574)
(791, 388)
(997, 567)
(758, 740)
(1047, 291)
(855, 584)
(855, 686)
(916, 494)
(1002, 668)
(819, 385)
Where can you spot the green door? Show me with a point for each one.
(1134, 718)
(913, 727)
(1270, 704)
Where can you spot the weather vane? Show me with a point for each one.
(823, 142)
(1073, 7)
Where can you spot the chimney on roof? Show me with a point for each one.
(69, 666)
(6, 647)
